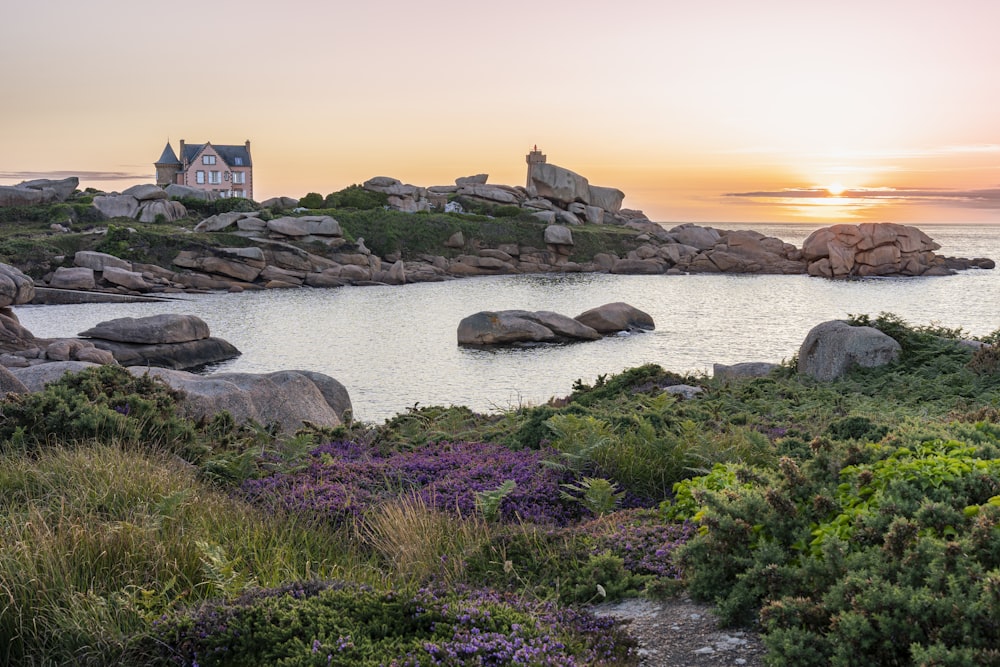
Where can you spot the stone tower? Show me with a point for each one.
(534, 157)
(168, 166)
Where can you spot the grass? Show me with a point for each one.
(99, 540)
(421, 544)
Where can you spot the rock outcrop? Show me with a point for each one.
(743, 370)
(833, 348)
(35, 378)
(512, 327)
(508, 327)
(566, 187)
(289, 399)
(9, 384)
(167, 341)
(616, 317)
(18, 346)
(15, 287)
(180, 191)
(145, 203)
(39, 191)
(872, 249)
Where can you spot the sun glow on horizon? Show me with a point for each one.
(835, 189)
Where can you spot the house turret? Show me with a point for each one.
(168, 166)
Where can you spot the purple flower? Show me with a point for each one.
(344, 479)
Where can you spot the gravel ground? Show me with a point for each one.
(679, 631)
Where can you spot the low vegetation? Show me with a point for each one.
(854, 518)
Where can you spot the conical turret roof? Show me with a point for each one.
(168, 156)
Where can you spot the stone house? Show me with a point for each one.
(226, 170)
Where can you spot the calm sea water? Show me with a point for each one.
(394, 347)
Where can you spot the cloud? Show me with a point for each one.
(83, 175)
(988, 198)
(862, 154)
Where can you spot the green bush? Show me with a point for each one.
(36, 213)
(106, 403)
(24, 251)
(888, 551)
(116, 242)
(204, 208)
(857, 428)
(342, 624)
(312, 200)
(356, 197)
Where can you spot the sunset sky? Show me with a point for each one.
(703, 111)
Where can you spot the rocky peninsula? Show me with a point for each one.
(152, 241)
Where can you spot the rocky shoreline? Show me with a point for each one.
(284, 245)
(275, 261)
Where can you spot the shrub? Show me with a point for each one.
(986, 360)
(887, 550)
(205, 208)
(857, 428)
(343, 479)
(336, 623)
(312, 200)
(116, 242)
(107, 403)
(356, 197)
(617, 555)
(24, 252)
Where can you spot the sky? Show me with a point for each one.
(702, 111)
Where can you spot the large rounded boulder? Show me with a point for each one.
(15, 287)
(831, 349)
(289, 399)
(168, 341)
(509, 327)
(614, 317)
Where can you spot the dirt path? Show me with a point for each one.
(679, 632)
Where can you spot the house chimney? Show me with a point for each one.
(181, 156)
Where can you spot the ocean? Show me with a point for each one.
(395, 347)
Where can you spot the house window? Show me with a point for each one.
(239, 177)
(238, 193)
(199, 177)
(214, 177)
(208, 159)
(238, 161)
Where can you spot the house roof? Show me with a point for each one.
(168, 156)
(234, 156)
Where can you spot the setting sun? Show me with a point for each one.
(835, 189)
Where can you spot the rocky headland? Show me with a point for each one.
(557, 223)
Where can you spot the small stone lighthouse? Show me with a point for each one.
(534, 157)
